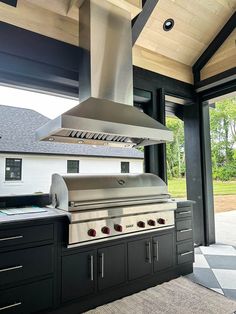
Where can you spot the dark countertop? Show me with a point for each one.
(50, 213)
(181, 202)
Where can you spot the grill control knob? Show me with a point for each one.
(92, 233)
(141, 224)
(106, 230)
(161, 221)
(118, 228)
(151, 222)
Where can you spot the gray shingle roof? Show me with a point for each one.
(17, 135)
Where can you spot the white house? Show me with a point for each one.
(26, 165)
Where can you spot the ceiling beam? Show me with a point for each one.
(140, 21)
(71, 4)
(215, 44)
(13, 3)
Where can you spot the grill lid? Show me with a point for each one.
(78, 192)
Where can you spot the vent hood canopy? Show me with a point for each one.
(105, 115)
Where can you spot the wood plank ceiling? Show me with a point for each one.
(196, 24)
(170, 53)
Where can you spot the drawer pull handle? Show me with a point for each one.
(11, 268)
(187, 253)
(186, 230)
(10, 306)
(12, 238)
(91, 268)
(187, 212)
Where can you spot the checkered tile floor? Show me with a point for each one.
(215, 268)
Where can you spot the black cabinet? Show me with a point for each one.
(28, 298)
(139, 258)
(25, 264)
(81, 271)
(112, 266)
(150, 254)
(163, 247)
(78, 275)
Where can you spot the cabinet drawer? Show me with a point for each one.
(26, 299)
(184, 234)
(183, 213)
(24, 264)
(26, 235)
(185, 247)
(186, 257)
(183, 224)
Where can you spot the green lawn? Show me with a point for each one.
(177, 187)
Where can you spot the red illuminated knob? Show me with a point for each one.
(92, 233)
(161, 221)
(151, 222)
(118, 228)
(106, 230)
(141, 224)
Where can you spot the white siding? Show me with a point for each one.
(37, 170)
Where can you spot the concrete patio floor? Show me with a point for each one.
(225, 224)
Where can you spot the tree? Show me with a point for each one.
(175, 149)
(223, 139)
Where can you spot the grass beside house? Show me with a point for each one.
(177, 187)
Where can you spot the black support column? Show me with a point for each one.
(155, 155)
(199, 171)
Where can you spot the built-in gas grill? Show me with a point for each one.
(104, 207)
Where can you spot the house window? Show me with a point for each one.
(124, 167)
(72, 166)
(13, 169)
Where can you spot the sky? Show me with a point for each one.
(48, 105)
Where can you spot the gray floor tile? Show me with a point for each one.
(226, 278)
(205, 277)
(221, 262)
(230, 293)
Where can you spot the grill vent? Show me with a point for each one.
(99, 136)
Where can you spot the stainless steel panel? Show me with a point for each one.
(105, 115)
(78, 232)
(86, 190)
(105, 35)
(121, 211)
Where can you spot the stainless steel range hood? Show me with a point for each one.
(105, 115)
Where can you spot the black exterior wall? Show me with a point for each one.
(33, 61)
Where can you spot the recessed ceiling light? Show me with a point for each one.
(168, 24)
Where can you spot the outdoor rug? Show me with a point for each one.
(178, 296)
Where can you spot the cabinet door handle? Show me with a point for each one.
(10, 306)
(186, 230)
(91, 268)
(102, 265)
(187, 253)
(183, 213)
(156, 250)
(148, 252)
(11, 238)
(11, 268)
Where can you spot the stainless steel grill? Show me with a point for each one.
(108, 206)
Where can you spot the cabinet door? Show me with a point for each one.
(163, 251)
(111, 266)
(78, 275)
(139, 258)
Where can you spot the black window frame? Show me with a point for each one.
(9, 163)
(123, 164)
(77, 162)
